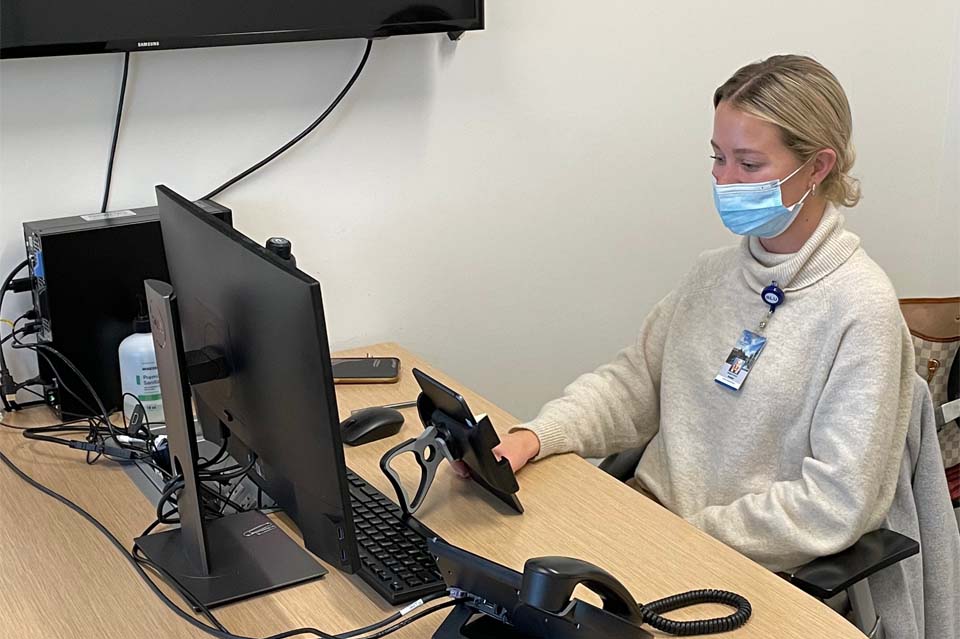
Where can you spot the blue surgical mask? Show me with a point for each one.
(756, 208)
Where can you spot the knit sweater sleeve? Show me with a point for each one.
(847, 482)
(614, 408)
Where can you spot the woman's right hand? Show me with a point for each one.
(519, 447)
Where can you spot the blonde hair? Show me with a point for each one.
(806, 102)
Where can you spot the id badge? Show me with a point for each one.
(741, 359)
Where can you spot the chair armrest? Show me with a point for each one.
(948, 412)
(828, 576)
(622, 465)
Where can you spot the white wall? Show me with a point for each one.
(511, 206)
(950, 187)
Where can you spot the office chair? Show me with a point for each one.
(953, 398)
(934, 325)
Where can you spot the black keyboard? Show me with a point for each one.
(393, 551)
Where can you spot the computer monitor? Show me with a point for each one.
(230, 557)
(264, 319)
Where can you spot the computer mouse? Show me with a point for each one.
(369, 425)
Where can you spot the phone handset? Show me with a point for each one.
(549, 582)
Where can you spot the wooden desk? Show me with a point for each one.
(60, 577)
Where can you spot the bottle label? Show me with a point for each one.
(147, 390)
(149, 381)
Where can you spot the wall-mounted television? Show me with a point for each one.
(32, 28)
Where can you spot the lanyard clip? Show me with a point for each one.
(773, 296)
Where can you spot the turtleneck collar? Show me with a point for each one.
(823, 252)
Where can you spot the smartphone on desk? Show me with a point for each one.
(366, 370)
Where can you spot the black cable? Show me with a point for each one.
(359, 631)
(31, 434)
(116, 131)
(652, 613)
(171, 581)
(6, 282)
(138, 568)
(94, 442)
(34, 325)
(61, 383)
(303, 134)
(147, 426)
(411, 619)
(13, 334)
(176, 484)
(149, 529)
(59, 377)
(12, 386)
(237, 507)
(123, 413)
(395, 617)
(186, 595)
(214, 632)
(83, 380)
(96, 438)
(216, 459)
(169, 489)
(32, 403)
(240, 471)
(95, 435)
(104, 414)
(193, 601)
(62, 427)
(23, 387)
(223, 504)
(4, 372)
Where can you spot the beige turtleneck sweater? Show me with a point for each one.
(801, 461)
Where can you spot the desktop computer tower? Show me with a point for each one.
(87, 273)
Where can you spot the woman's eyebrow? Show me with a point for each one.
(740, 151)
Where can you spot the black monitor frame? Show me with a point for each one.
(400, 24)
(225, 559)
(265, 318)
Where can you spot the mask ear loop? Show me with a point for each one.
(796, 207)
(797, 170)
(810, 191)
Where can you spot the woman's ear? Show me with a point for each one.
(823, 163)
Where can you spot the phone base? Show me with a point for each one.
(466, 622)
(460, 624)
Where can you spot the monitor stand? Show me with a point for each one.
(225, 559)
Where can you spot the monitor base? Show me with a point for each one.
(249, 555)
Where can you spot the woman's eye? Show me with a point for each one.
(717, 159)
(750, 166)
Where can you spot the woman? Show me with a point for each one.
(799, 458)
